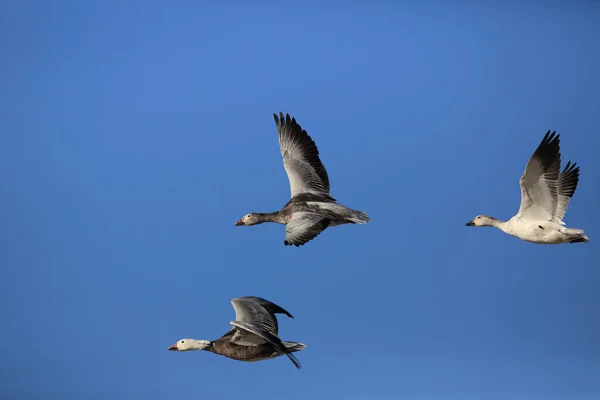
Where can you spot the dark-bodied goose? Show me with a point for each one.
(311, 208)
(254, 336)
(545, 196)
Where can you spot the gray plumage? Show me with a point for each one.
(311, 208)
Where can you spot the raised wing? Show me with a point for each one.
(303, 227)
(256, 323)
(259, 312)
(271, 307)
(539, 182)
(301, 161)
(567, 184)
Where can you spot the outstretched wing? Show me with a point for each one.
(567, 184)
(539, 182)
(301, 161)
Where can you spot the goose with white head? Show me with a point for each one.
(311, 208)
(545, 196)
(254, 336)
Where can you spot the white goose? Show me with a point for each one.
(545, 196)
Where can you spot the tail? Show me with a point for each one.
(294, 346)
(576, 235)
(359, 217)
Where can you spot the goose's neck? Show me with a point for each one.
(202, 345)
(495, 222)
(271, 217)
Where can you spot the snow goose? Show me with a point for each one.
(545, 196)
(311, 208)
(254, 335)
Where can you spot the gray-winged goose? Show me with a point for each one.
(545, 196)
(311, 208)
(254, 336)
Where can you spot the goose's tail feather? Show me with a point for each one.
(359, 217)
(294, 346)
(576, 235)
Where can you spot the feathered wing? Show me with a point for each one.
(303, 227)
(539, 182)
(271, 307)
(567, 184)
(243, 338)
(255, 319)
(301, 161)
(259, 312)
(275, 341)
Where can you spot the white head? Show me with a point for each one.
(482, 220)
(190, 344)
(249, 219)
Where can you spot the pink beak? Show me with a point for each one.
(174, 347)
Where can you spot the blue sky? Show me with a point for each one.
(134, 135)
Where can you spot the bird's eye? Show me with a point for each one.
(183, 341)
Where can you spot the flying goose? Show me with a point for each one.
(254, 335)
(311, 208)
(545, 196)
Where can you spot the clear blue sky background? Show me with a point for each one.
(134, 134)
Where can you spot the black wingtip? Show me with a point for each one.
(548, 151)
(284, 119)
(550, 137)
(569, 168)
(569, 179)
(286, 243)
